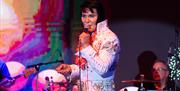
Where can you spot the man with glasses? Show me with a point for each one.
(160, 73)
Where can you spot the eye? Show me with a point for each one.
(159, 69)
(91, 16)
(83, 16)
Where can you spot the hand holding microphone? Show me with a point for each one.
(81, 62)
(84, 39)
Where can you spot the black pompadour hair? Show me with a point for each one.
(94, 4)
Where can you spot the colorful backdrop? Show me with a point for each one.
(30, 34)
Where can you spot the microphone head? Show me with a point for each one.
(85, 30)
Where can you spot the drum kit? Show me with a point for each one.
(51, 80)
(141, 81)
(45, 80)
(134, 88)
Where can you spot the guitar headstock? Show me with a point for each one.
(29, 71)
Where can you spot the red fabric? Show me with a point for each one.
(80, 61)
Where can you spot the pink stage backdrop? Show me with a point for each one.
(30, 33)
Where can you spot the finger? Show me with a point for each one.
(59, 68)
(65, 71)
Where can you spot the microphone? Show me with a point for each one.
(86, 31)
(170, 51)
(169, 54)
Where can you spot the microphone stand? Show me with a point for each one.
(40, 64)
(142, 84)
(37, 67)
(80, 86)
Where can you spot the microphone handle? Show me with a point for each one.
(86, 31)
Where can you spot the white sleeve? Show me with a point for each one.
(102, 60)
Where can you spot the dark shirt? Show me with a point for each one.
(169, 87)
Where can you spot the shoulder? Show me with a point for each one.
(104, 30)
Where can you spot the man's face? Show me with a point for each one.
(89, 19)
(160, 71)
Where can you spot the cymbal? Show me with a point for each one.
(139, 81)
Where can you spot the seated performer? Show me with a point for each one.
(160, 72)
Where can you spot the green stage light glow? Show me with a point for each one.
(174, 65)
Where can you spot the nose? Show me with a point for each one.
(87, 19)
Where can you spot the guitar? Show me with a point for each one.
(9, 82)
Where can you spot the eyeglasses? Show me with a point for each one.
(159, 70)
